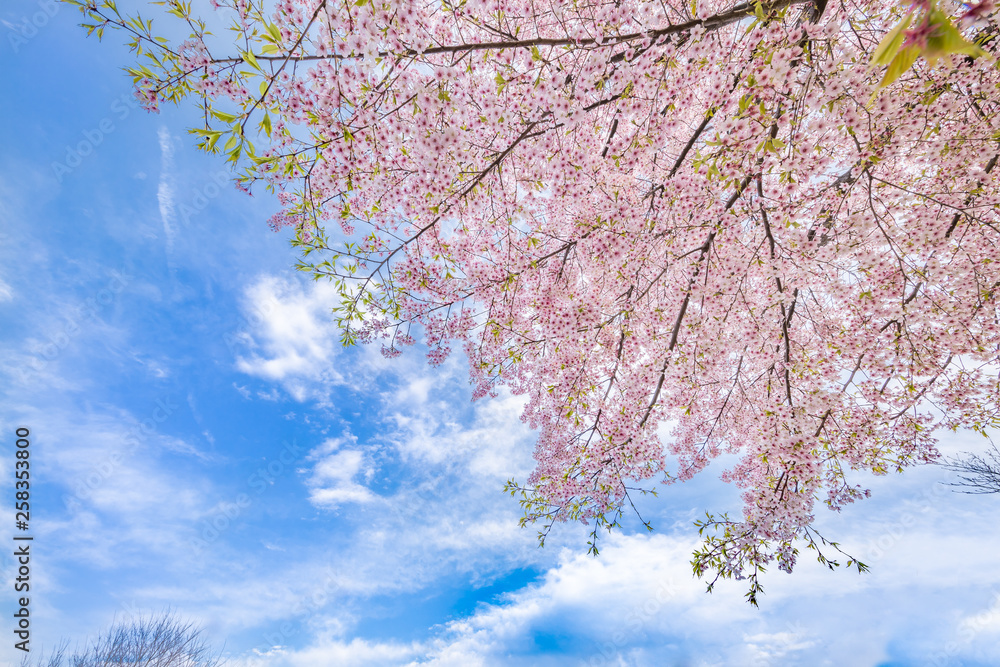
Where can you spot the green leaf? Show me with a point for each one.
(902, 62)
(225, 117)
(889, 46)
(947, 40)
(249, 59)
(274, 32)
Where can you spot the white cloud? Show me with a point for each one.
(436, 425)
(332, 481)
(338, 652)
(272, 395)
(766, 647)
(6, 291)
(293, 338)
(640, 587)
(987, 620)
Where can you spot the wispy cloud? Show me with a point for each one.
(332, 483)
(165, 192)
(293, 339)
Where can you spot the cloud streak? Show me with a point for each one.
(165, 193)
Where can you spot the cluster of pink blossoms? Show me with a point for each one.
(679, 236)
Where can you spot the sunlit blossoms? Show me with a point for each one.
(680, 229)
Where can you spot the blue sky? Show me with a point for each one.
(201, 442)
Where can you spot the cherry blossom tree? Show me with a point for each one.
(680, 228)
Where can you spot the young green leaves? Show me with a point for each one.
(933, 37)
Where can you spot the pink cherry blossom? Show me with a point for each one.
(678, 235)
